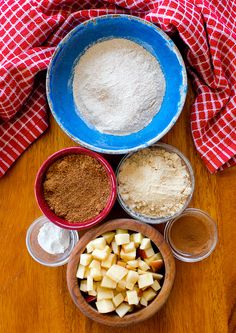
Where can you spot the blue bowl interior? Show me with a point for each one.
(59, 81)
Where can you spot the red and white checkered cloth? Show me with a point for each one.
(31, 29)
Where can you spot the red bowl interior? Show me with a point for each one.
(38, 189)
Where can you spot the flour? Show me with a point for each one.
(53, 239)
(154, 182)
(118, 87)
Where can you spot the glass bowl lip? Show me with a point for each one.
(146, 218)
(75, 237)
(191, 259)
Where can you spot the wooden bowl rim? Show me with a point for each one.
(140, 315)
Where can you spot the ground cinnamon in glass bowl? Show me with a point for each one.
(75, 188)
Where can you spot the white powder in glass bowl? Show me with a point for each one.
(154, 182)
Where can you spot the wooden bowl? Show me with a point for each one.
(140, 315)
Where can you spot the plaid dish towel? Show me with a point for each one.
(30, 31)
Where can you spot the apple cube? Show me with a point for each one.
(156, 256)
(92, 293)
(108, 237)
(89, 247)
(132, 297)
(115, 248)
(156, 285)
(95, 264)
(130, 268)
(128, 247)
(122, 309)
(109, 261)
(143, 265)
(133, 263)
(85, 259)
(108, 283)
(80, 272)
(121, 285)
(157, 276)
(105, 306)
(132, 277)
(143, 301)
(99, 243)
(149, 294)
(146, 244)
(145, 280)
(89, 283)
(83, 285)
(118, 299)
(122, 239)
(104, 293)
(96, 274)
(156, 265)
(128, 256)
(137, 238)
(116, 272)
(121, 231)
(101, 254)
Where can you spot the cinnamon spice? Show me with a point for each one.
(76, 187)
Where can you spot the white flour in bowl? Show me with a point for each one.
(118, 86)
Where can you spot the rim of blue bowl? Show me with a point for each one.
(183, 91)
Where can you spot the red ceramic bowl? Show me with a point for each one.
(38, 190)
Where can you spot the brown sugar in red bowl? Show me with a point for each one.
(76, 187)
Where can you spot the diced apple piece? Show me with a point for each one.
(110, 260)
(137, 238)
(121, 231)
(145, 280)
(99, 243)
(129, 285)
(89, 247)
(90, 299)
(80, 272)
(122, 309)
(132, 277)
(108, 237)
(143, 301)
(115, 248)
(96, 274)
(83, 285)
(121, 285)
(95, 264)
(156, 285)
(104, 293)
(108, 283)
(141, 253)
(116, 273)
(122, 239)
(132, 297)
(89, 283)
(118, 299)
(128, 256)
(146, 244)
(133, 263)
(143, 265)
(121, 263)
(100, 254)
(149, 294)
(149, 252)
(85, 259)
(129, 247)
(156, 256)
(92, 293)
(156, 265)
(130, 268)
(87, 272)
(105, 306)
(157, 276)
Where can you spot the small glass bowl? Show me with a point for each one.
(41, 256)
(151, 219)
(212, 228)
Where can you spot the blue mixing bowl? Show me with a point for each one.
(60, 72)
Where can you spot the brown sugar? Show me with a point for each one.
(76, 187)
(190, 234)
